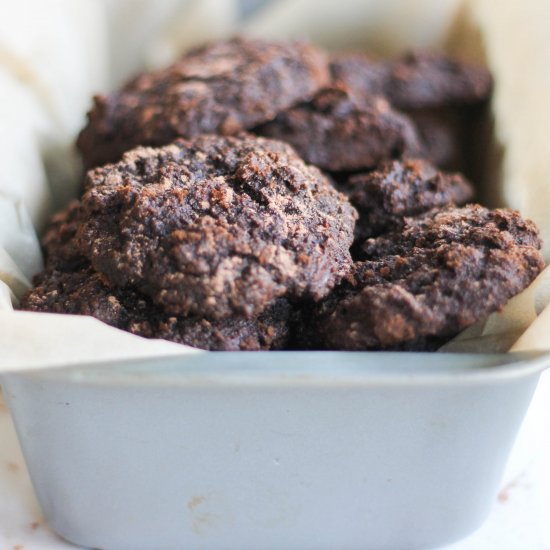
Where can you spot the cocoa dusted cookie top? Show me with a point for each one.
(338, 131)
(216, 226)
(414, 80)
(440, 274)
(223, 87)
(400, 189)
(84, 292)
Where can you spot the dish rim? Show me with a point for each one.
(300, 369)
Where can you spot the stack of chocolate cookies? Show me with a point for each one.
(258, 195)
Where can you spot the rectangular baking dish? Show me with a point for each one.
(272, 450)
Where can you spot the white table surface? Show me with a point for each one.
(520, 519)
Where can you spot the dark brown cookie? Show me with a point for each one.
(58, 241)
(337, 131)
(361, 74)
(442, 273)
(400, 189)
(416, 80)
(440, 94)
(446, 99)
(84, 292)
(217, 226)
(426, 80)
(442, 133)
(223, 88)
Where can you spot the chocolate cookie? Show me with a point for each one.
(440, 274)
(442, 133)
(424, 80)
(337, 131)
(359, 73)
(216, 226)
(223, 88)
(84, 292)
(58, 242)
(440, 94)
(414, 80)
(400, 189)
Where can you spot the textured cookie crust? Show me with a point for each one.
(217, 226)
(84, 292)
(442, 273)
(400, 189)
(223, 88)
(59, 240)
(336, 131)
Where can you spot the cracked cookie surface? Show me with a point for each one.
(442, 273)
(216, 226)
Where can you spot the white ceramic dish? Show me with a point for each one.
(272, 450)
